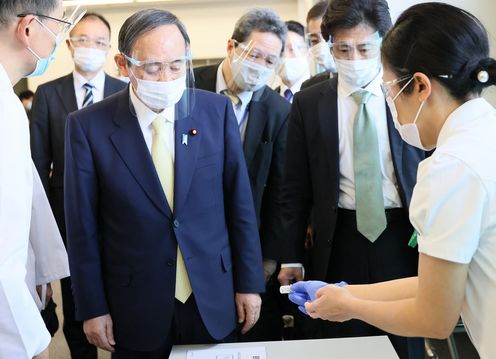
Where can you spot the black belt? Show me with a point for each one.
(392, 214)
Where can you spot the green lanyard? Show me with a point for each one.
(413, 240)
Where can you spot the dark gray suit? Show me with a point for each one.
(264, 149)
(52, 103)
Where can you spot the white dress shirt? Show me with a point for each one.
(98, 83)
(241, 111)
(146, 117)
(453, 209)
(347, 109)
(22, 331)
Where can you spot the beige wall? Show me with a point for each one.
(484, 10)
(210, 24)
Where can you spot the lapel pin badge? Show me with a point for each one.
(193, 132)
(184, 139)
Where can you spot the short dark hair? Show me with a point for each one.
(262, 20)
(9, 9)
(26, 95)
(144, 21)
(317, 11)
(97, 16)
(346, 14)
(296, 27)
(444, 42)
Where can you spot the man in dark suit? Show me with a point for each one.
(346, 161)
(252, 55)
(89, 44)
(161, 230)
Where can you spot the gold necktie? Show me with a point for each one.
(234, 98)
(162, 159)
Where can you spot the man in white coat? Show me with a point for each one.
(30, 31)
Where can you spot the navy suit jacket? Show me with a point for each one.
(312, 173)
(265, 149)
(122, 235)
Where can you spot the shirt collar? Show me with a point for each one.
(297, 86)
(221, 85)
(144, 114)
(469, 111)
(98, 81)
(345, 89)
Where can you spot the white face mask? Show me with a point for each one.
(89, 59)
(158, 95)
(358, 73)
(293, 69)
(248, 75)
(322, 56)
(409, 132)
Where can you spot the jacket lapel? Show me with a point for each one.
(129, 142)
(328, 122)
(108, 89)
(186, 153)
(65, 90)
(396, 145)
(257, 119)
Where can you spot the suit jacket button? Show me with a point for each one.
(171, 262)
(176, 223)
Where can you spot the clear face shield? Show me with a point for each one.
(163, 83)
(320, 54)
(252, 66)
(353, 49)
(294, 64)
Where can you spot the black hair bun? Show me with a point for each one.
(485, 73)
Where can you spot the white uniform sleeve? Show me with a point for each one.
(447, 208)
(22, 331)
(51, 261)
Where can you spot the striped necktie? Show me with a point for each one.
(88, 96)
(164, 164)
(369, 199)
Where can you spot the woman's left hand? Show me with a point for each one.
(332, 303)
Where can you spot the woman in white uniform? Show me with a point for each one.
(436, 64)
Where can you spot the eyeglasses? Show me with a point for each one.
(386, 86)
(154, 68)
(65, 25)
(84, 41)
(366, 48)
(256, 55)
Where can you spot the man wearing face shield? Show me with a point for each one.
(321, 59)
(294, 67)
(348, 164)
(31, 31)
(161, 231)
(89, 43)
(253, 53)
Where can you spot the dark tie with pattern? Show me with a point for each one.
(88, 96)
(288, 95)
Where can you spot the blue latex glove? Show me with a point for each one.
(304, 291)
